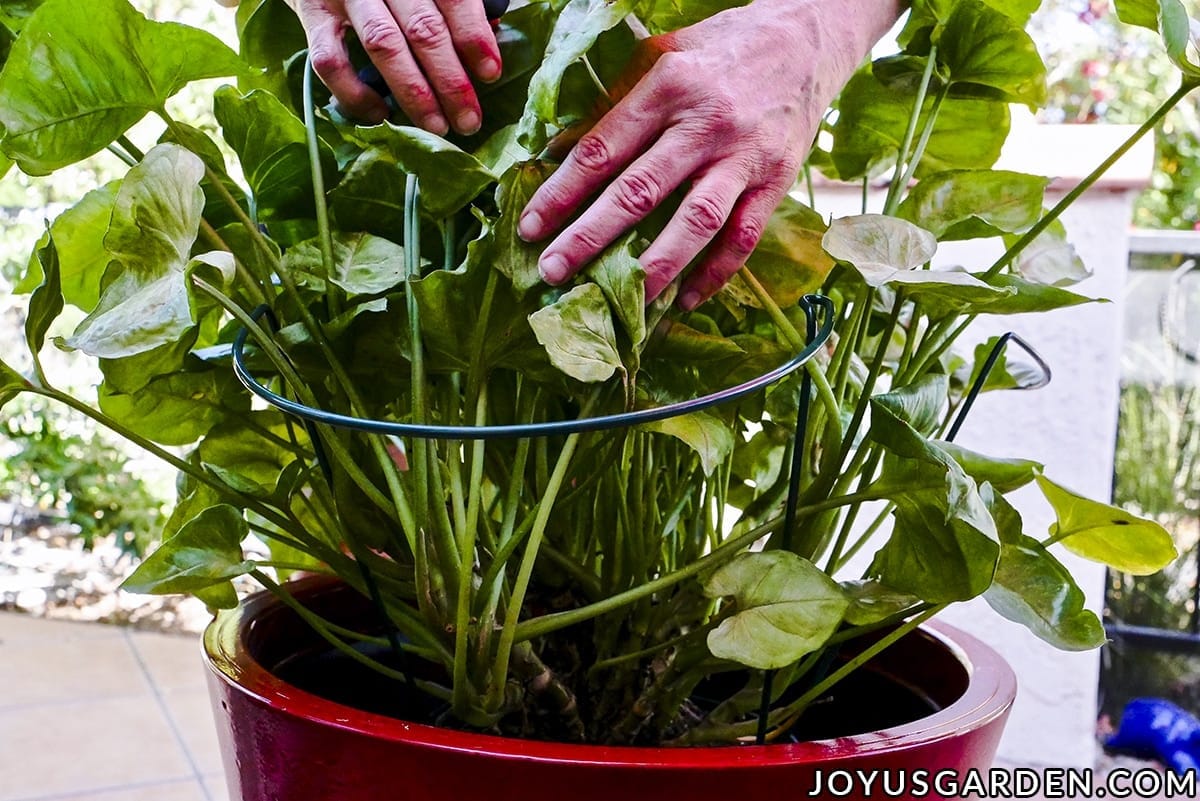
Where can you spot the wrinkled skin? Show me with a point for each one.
(425, 50)
(726, 108)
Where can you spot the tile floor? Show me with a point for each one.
(100, 713)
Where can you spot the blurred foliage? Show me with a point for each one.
(59, 471)
(1101, 71)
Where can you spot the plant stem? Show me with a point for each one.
(467, 538)
(893, 195)
(1041, 225)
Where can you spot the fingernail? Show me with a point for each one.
(468, 122)
(553, 268)
(530, 226)
(489, 69)
(436, 123)
(690, 299)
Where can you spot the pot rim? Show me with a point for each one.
(991, 688)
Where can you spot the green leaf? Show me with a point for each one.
(927, 15)
(370, 197)
(989, 54)
(269, 33)
(47, 301)
(578, 25)
(663, 16)
(78, 235)
(271, 144)
(1170, 19)
(873, 119)
(708, 435)
(786, 608)
(1050, 259)
(1107, 534)
(971, 204)
(246, 454)
(678, 342)
(12, 384)
(362, 264)
(1002, 375)
(879, 246)
(502, 151)
(578, 334)
(82, 73)
(509, 253)
(1139, 12)
(179, 408)
(1032, 588)
(1005, 475)
(206, 553)
(155, 219)
(449, 178)
(919, 405)
(872, 601)
(619, 275)
(789, 261)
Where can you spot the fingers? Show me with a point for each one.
(327, 49)
(696, 222)
(732, 246)
(473, 37)
(640, 189)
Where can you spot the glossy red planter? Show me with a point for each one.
(280, 743)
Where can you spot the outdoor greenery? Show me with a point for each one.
(580, 585)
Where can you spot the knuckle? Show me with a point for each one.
(703, 216)
(426, 28)
(636, 194)
(744, 236)
(587, 240)
(325, 60)
(381, 38)
(592, 153)
(416, 97)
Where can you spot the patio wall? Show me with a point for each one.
(1070, 425)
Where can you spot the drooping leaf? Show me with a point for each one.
(82, 73)
(1050, 259)
(1170, 19)
(872, 601)
(578, 334)
(619, 275)
(1107, 534)
(272, 146)
(47, 301)
(578, 25)
(1022, 297)
(968, 204)
(873, 118)
(918, 404)
(79, 240)
(449, 178)
(206, 553)
(156, 216)
(988, 54)
(1031, 587)
(508, 253)
(707, 434)
(786, 608)
(1005, 475)
(1002, 374)
(247, 455)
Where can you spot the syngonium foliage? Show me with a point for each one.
(613, 567)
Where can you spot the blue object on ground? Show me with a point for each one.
(1158, 727)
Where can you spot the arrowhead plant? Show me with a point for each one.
(376, 272)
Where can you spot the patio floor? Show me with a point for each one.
(91, 712)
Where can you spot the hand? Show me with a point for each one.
(424, 49)
(728, 107)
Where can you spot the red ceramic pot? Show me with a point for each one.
(280, 743)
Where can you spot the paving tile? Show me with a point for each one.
(58, 749)
(216, 786)
(187, 790)
(37, 671)
(174, 661)
(20, 629)
(191, 712)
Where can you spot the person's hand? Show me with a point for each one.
(728, 108)
(426, 51)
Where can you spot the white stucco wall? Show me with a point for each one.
(1070, 426)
